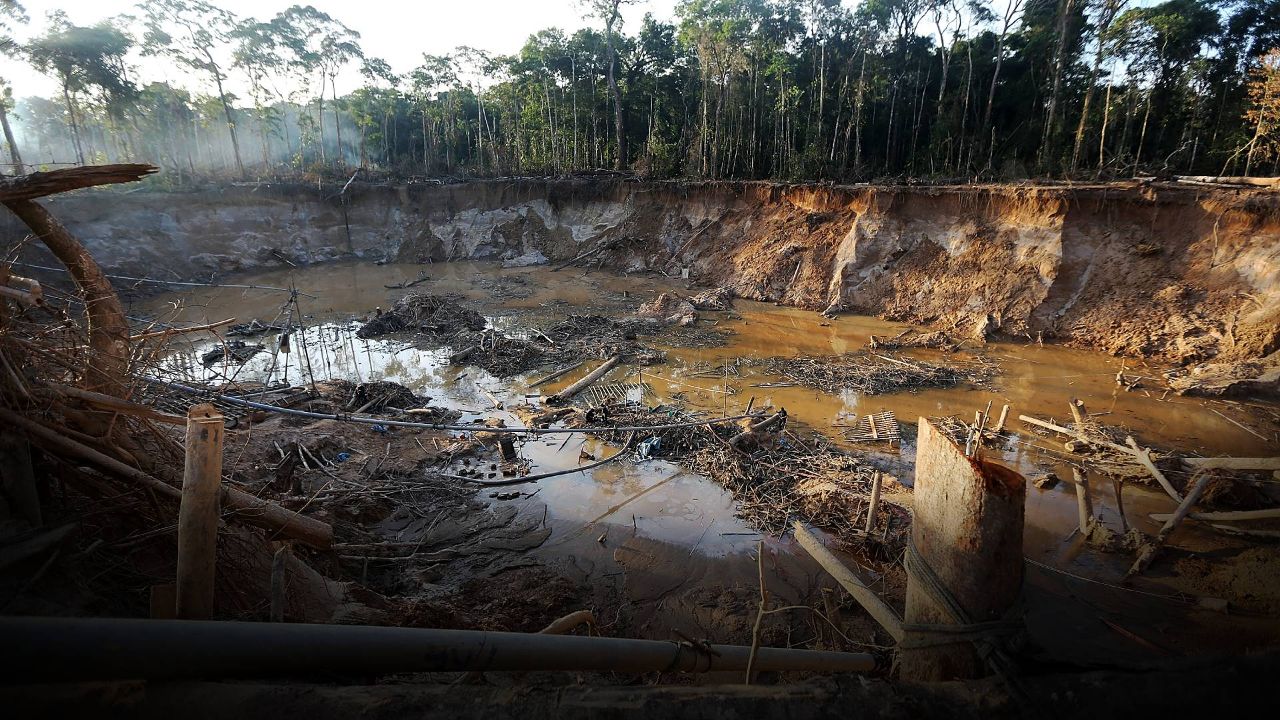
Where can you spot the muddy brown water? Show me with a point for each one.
(671, 537)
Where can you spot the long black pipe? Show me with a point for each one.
(63, 649)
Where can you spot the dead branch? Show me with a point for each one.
(41, 184)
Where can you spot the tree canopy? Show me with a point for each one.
(783, 89)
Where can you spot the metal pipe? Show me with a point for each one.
(66, 649)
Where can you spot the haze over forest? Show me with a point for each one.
(748, 89)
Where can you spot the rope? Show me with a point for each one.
(987, 637)
(365, 420)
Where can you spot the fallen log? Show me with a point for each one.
(567, 394)
(40, 184)
(245, 507)
(112, 402)
(1067, 431)
(602, 246)
(875, 607)
(1147, 555)
(1234, 463)
(1226, 515)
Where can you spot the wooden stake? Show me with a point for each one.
(1084, 503)
(875, 501)
(1004, 415)
(968, 529)
(198, 513)
(1078, 415)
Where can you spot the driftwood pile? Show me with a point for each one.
(776, 478)
(437, 315)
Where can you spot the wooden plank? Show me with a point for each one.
(875, 607)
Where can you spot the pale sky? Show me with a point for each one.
(398, 31)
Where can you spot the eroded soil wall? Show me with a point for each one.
(1183, 274)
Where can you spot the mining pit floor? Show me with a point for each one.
(651, 546)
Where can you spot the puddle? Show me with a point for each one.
(653, 510)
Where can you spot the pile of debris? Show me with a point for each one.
(436, 315)
(910, 338)
(872, 373)
(776, 476)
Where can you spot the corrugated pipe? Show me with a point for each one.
(65, 649)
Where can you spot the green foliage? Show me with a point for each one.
(788, 89)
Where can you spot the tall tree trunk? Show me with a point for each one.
(619, 119)
(226, 111)
(75, 126)
(8, 138)
(1049, 136)
(337, 120)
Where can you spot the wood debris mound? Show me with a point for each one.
(871, 373)
(437, 315)
(670, 309)
(717, 299)
(910, 338)
(776, 479)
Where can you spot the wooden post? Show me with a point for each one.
(1084, 503)
(567, 394)
(198, 513)
(1078, 415)
(875, 501)
(968, 530)
(1147, 554)
(1004, 415)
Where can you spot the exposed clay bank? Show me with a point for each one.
(1180, 274)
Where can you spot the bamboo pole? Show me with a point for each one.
(198, 513)
(965, 564)
(1233, 463)
(1004, 415)
(875, 607)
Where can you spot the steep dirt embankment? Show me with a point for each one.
(1168, 272)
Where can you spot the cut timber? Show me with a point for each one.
(245, 507)
(1233, 463)
(875, 607)
(1149, 550)
(1228, 515)
(1004, 415)
(567, 394)
(1144, 458)
(1068, 431)
(198, 513)
(112, 402)
(1084, 504)
(966, 537)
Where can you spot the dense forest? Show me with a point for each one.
(785, 89)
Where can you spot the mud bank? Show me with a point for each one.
(1186, 275)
